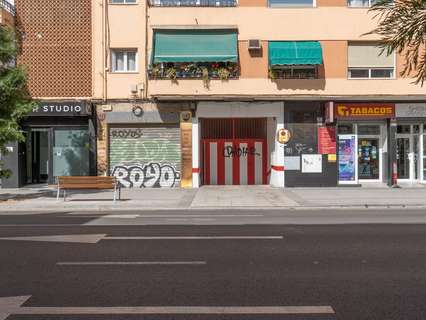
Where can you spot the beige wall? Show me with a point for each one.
(127, 30)
(253, 3)
(401, 88)
(328, 23)
(332, 3)
(6, 18)
(253, 64)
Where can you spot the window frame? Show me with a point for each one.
(314, 5)
(370, 4)
(370, 68)
(122, 3)
(125, 52)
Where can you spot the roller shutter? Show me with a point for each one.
(146, 156)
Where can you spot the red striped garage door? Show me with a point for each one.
(234, 161)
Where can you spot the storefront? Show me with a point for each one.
(363, 142)
(145, 145)
(411, 142)
(235, 143)
(310, 153)
(59, 141)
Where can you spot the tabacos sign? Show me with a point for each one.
(364, 110)
(51, 108)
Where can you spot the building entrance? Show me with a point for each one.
(407, 152)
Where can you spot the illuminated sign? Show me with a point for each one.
(365, 111)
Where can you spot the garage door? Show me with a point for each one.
(145, 157)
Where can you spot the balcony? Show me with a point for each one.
(193, 3)
(8, 7)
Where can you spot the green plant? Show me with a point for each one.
(402, 27)
(15, 102)
(155, 71)
(171, 73)
(272, 74)
(223, 73)
(205, 74)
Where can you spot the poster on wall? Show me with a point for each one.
(327, 140)
(347, 158)
(311, 163)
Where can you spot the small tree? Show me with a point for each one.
(15, 103)
(402, 26)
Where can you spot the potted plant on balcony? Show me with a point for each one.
(171, 73)
(223, 73)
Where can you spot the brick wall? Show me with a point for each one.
(56, 46)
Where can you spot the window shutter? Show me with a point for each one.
(367, 55)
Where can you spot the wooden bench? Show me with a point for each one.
(88, 182)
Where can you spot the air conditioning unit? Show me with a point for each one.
(254, 44)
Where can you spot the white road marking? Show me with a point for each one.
(130, 263)
(195, 238)
(13, 306)
(122, 216)
(73, 238)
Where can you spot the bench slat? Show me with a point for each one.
(87, 186)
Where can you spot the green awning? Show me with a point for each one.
(294, 53)
(195, 46)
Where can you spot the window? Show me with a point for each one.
(122, 1)
(294, 72)
(361, 3)
(193, 3)
(366, 61)
(124, 60)
(291, 3)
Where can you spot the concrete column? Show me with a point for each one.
(277, 159)
(195, 153)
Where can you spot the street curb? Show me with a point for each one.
(5, 211)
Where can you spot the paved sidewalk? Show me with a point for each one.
(37, 200)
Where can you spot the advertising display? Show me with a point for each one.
(347, 159)
(327, 140)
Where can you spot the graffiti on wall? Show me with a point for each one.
(231, 152)
(151, 175)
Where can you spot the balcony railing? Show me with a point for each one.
(6, 5)
(193, 3)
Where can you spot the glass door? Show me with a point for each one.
(403, 156)
(368, 158)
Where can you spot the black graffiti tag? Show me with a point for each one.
(230, 152)
(152, 175)
(127, 133)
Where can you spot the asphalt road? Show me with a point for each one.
(350, 271)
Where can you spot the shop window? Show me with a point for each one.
(369, 130)
(416, 128)
(345, 128)
(368, 61)
(403, 128)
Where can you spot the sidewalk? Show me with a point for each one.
(28, 200)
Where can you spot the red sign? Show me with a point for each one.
(327, 140)
(365, 110)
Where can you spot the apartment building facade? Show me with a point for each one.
(55, 47)
(186, 93)
(279, 92)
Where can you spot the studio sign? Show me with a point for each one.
(63, 108)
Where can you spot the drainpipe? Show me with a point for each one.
(146, 50)
(105, 50)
